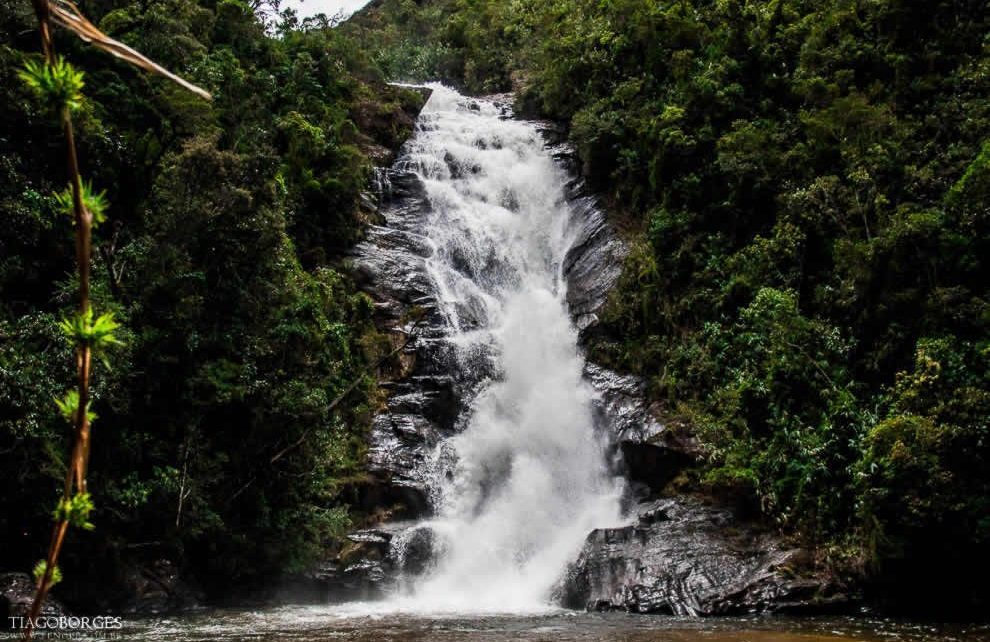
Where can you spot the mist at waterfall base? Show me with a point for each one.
(526, 478)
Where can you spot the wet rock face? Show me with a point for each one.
(390, 262)
(681, 557)
(592, 265)
(17, 595)
(362, 570)
(652, 452)
(594, 262)
(369, 565)
(362, 580)
(425, 400)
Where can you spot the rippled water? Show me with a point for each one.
(361, 624)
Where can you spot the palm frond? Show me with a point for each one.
(66, 14)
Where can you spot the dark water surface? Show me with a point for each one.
(319, 624)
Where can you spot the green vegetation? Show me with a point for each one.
(806, 187)
(241, 370)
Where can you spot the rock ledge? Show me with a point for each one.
(682, 557)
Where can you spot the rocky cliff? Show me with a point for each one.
(676, 555)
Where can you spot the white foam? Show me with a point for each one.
(520, 488)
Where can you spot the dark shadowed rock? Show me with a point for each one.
(593, 264)
(157, 586)
(398, 447)
(17, 595)
(368, 566)
(682, 557)
(653, 453)
(431, 396)
(365, 579)
(412, 550)
(362, 570)
(402, 184)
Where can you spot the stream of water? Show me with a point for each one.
(524, 481)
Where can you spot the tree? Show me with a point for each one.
(59, 86)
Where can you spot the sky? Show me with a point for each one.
(329, 7)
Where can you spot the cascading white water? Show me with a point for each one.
(519, 488)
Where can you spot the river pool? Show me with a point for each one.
(364, 624)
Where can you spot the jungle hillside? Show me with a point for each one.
(803, 186)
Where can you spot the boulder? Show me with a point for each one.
(679, 556)
(156, 586)
(413, 550)
(17, 595)
(363, 580)
(368, 566)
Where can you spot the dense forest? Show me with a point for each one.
(806, 191)
(220, 257)
(804, 188)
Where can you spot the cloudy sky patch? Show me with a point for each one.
(329, 7)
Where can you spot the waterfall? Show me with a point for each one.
(517, 488)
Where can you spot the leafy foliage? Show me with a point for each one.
(75, 511)
(68, 406)
(57, 85)
(87, 329)
(93, 202)
(41, 568)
